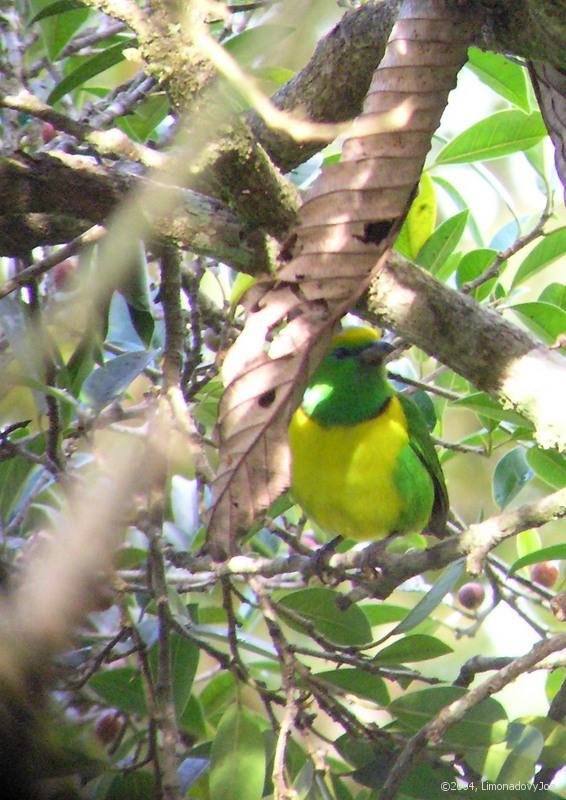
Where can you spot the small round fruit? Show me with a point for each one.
(48, 132)
(545, 573)
(471, 595)
(107, 726)
(63, 273)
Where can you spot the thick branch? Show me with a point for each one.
(36, 193)
(494, 355)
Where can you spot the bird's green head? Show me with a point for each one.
(350, 385)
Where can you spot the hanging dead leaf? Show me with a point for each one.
(347, 224)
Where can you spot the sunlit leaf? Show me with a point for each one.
(442, 243)
(88, 69)
(545, 319)
(549, 466)
(556, 552)
(551, 247)
(501, 134)
(504, 76)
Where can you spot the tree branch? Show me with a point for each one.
(494, 355)
(434, 730)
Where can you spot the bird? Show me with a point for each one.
(363, 464)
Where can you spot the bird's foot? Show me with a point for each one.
(321, 559)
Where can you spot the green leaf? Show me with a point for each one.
(443, 242)
(556, 552)
(420, 221)
(432, 598)
(110, 381)
(554, 293)
(545, 319)
(237, 766)
(526, 744)
(554, 734)
(184, 658)
(417, 647)
(89, 68)
(120, 688)
(551, 247)
(52, 9)
(319, 607)
(129, 785)
(59, 22)
(142, 122)
(461, 205)
(358, 682)
(474, 264)
(549, 466)
(483, 724)
(486, 406)
(495, 136)
(507, 78)
(511, 473)
(245, 47)
(383, 613)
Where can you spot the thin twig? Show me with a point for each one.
(492, 271)
(35, 271)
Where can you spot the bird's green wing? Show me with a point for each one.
(422, 444)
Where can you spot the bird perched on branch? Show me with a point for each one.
(363, 463)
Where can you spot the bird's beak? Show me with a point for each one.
(376, 352)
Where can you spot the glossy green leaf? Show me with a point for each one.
(256, 41)
(472, 265)
(120, 688)
(498, 135)
(483, 724)
(358, 682)
(548, 249)
(110, 381)
(549, 466)
(58, 22)
(319, 607)
(554, 293)
(511, 473)
(461, 205)
(420, 221)
(89, 68)
(416, 647)
(432, 598)
(545, 319)
(526, 744)
(527, 542)
(237, 767)
(507, 78)
(442, 243)
(556, 552)
(140, 124)
(54, 8)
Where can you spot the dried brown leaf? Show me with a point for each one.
(347, 224)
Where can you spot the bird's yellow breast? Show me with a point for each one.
(344, 476)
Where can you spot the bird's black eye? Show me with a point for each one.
(341, 352)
